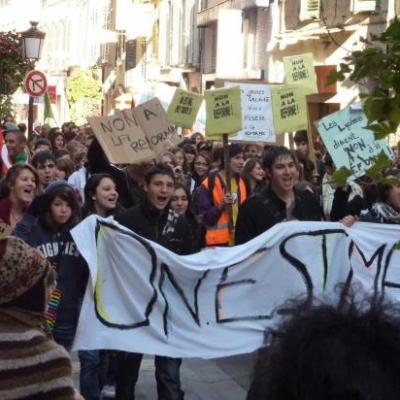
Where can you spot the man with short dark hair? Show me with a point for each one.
(154, 220)
(279, 201)
(45, 164)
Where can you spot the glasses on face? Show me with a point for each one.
(200, 164)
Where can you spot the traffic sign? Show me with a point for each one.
(35, 83)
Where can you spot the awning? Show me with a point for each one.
(209, 15)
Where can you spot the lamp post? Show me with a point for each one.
(32, 44)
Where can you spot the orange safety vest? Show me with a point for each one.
(219, 233)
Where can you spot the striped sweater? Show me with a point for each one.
(32, 366)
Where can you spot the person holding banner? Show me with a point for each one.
(213, 200)
(279, 201)
(154, 220)
(101, 198)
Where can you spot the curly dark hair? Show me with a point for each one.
(333, 353)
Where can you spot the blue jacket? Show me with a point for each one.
(59, 249)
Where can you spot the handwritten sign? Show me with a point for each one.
(184, 108)
(122, 138)
(257, 118)
(289, 108)
(300, 70)
(223, 111)
(153, 119)
(349, 144)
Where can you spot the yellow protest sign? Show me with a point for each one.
(223, 111)
(300, 70)
(184, 107)
(289, 107)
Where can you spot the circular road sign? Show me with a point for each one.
(35, 83)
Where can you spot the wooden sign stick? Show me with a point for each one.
(228, 176)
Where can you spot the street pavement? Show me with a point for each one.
(217, 379)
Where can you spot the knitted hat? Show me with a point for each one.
(21, 267)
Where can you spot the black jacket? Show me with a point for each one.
(166, 227)
(264, 209)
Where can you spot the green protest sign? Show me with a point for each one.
(349, 143)
(300, 70)
(289, 107)
(184, 107)
(223, 111)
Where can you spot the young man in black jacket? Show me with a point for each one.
(154, 220)
(279, 201)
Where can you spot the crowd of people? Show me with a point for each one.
(181, 200)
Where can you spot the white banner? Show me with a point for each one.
(143, 298)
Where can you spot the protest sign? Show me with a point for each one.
(257, 119)
(300, 70)
(289, 108)
(144, 298)
(349, 143)
(154, 121)
(121, 138)
(223, 112)
(184, 108)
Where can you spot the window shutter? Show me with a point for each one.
(309, 9)
(364, 5)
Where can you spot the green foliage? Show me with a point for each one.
(376, 173)
(13, 68)
(339, 177)
(84, 96)
(378, 68)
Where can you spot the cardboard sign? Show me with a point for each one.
(349, 144)
(223, 112)
(300, 70)
(184, 108)
(257, 118)
(121, 138)
(289, 108)
(161, 134)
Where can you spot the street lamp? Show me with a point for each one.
(32, 44)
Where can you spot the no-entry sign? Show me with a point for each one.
(35, 83)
